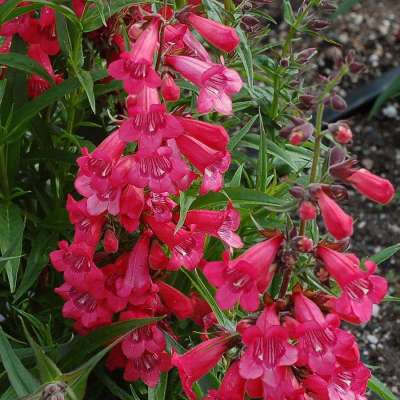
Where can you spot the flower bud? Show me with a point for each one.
(284, 62)
(304, 244)
(356, 67)
(341, 132)
(328, 7)
(318, 24)
(306, 101)
(110, 242)
(169, 89)
(301, 133)
(307, 211)
(305, 56)
(336, 155)
(337, 103)
(297, 192)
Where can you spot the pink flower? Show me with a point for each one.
(232, 386)
(87, 227)
(343, 384)
(110, 242)
(160, 206)
(213, 136)
(137, 281)
(131, 207)
(338, 223)
(281, 384)
(221, 224)
(86, 307)
(372, 186)
(186, 247)
(161, 171)
(321, 344)
(244, 278)
(199, 360)
(211, 163)
(135, 68)
(76, 261)
(175, 301)
(148, 367)
(216, 82)
(169, 89)
(148, 122)
(220, 36)
(267, 350)
(360, 288)
(36, 84)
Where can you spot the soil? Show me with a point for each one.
(373, 29)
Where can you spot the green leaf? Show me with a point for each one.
(32, 108)
(63, 35)
(110, 384)
(391, 91)
(385, 254)
(3, 84)
(246, 56)
(20, 378)
(279, 152)
(7, 8)
(83, 346)
(11, 233)
(37, 260)
(237, 177)
(379, 388)
(235, 139)
(159, 392)
(392, 298)
(9, 394)
(185, 201)
(241, 196)
(202, 288)
(24, 63)
(288, 14)
(86, 81)
(92, 19)
(48, 370)
(262, 166)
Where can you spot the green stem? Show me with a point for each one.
(317, 144)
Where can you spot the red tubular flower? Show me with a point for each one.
(110, 242)
(220, 36)
(211, 163)
(76, 262)
(169, 89)
(267, 350)
(221, 224)
(87, 227)
(161, 171)
(86, 307)
(160, 206)
(372, 186)
(131, 207)
(186, 247)
(232, 386)
(321, 344)
(135, 68)
(216, 82)
(175, 301)
(199, 360)
(338, 223)
(137, 280)
(244, 278)
(342, 384)
(148, 122)
(214, 136)
(282, 385)
(360, 289)
(36, 84)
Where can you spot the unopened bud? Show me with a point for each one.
(297, 192)
(169, 89)
(304, 244)
(318, 24)
(306, 101)
(284, 63)
(343, 133)
(356, 67)
(110, 242)
(301, 133)
(54, 391)
(328, 7)
(336, 156)
(338, 103)
(306, 55)
(307, 211)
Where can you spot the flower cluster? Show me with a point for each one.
(131, 236)
(39, 34)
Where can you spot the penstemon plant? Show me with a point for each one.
(210, 256)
